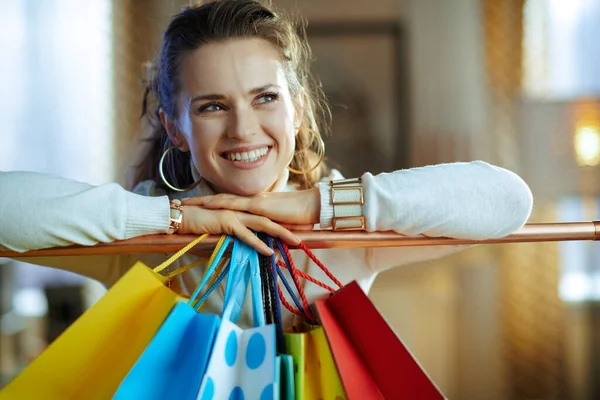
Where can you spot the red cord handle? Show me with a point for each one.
(296, 274)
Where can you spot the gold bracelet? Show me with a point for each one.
(175, 217)
(347, 198)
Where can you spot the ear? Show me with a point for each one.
(170, 126)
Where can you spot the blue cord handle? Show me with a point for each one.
(211, 270)
(289, 289)
(213, 287)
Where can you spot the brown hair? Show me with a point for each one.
(217, 21)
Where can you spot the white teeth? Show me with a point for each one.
(249, 156)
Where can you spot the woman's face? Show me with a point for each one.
(236, 115)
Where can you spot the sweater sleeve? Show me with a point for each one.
(40, 211)
(473, 200)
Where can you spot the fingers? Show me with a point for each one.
(247, 236)
(221, 198)
(299, 227)
(194, 201)
(254, 205)
(262, 224)
(241, 225)
(229, 203)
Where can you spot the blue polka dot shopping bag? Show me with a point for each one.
(243, 361)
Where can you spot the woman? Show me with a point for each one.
(237, 138)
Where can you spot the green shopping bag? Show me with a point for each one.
(316, 376)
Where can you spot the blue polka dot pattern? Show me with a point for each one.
(209, 390)
(242, 364)
(267, 393)
(237, 394)
(231, 349)
(255, 352)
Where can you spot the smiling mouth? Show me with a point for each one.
(246, 156)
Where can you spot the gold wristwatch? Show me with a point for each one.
(175, 217)
(347, 199)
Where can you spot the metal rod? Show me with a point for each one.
(542, 232)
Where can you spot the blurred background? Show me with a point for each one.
(411, 82)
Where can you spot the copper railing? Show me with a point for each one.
(542, 232)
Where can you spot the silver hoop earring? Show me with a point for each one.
(164, 179)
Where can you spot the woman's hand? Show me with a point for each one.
(198, 220)
(297, 210)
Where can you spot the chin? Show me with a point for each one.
(250, 189)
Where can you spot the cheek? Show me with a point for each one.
(282, 124)
(205, 134)
(203, 138)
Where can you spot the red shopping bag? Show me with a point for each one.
(372, 361)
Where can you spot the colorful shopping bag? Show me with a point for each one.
(284, 377)
(173, 364)
(242, 364)
(316, 376)
(91, 357)
(89, 360)
(372, 361)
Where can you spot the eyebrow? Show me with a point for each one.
(214, 97)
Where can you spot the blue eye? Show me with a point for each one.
(211, 107)
(268, 98)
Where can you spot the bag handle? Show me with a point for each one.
(216, 258)
(269, 270)
(301, 311)
(258, 306)
(288, 262)
(181, 270)
(307, 277)
(217, 277)
(290, 291)
(181, 252)
(243, 270)
(213, 285)
(213, 276)
(318, 262)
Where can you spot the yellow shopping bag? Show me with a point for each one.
(91, 358)
(316, 376)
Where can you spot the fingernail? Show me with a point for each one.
(204, 201)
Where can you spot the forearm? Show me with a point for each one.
(463, 200)
(41, 211)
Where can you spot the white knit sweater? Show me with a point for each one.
(463, 200)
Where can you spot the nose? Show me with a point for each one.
(243, 124)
